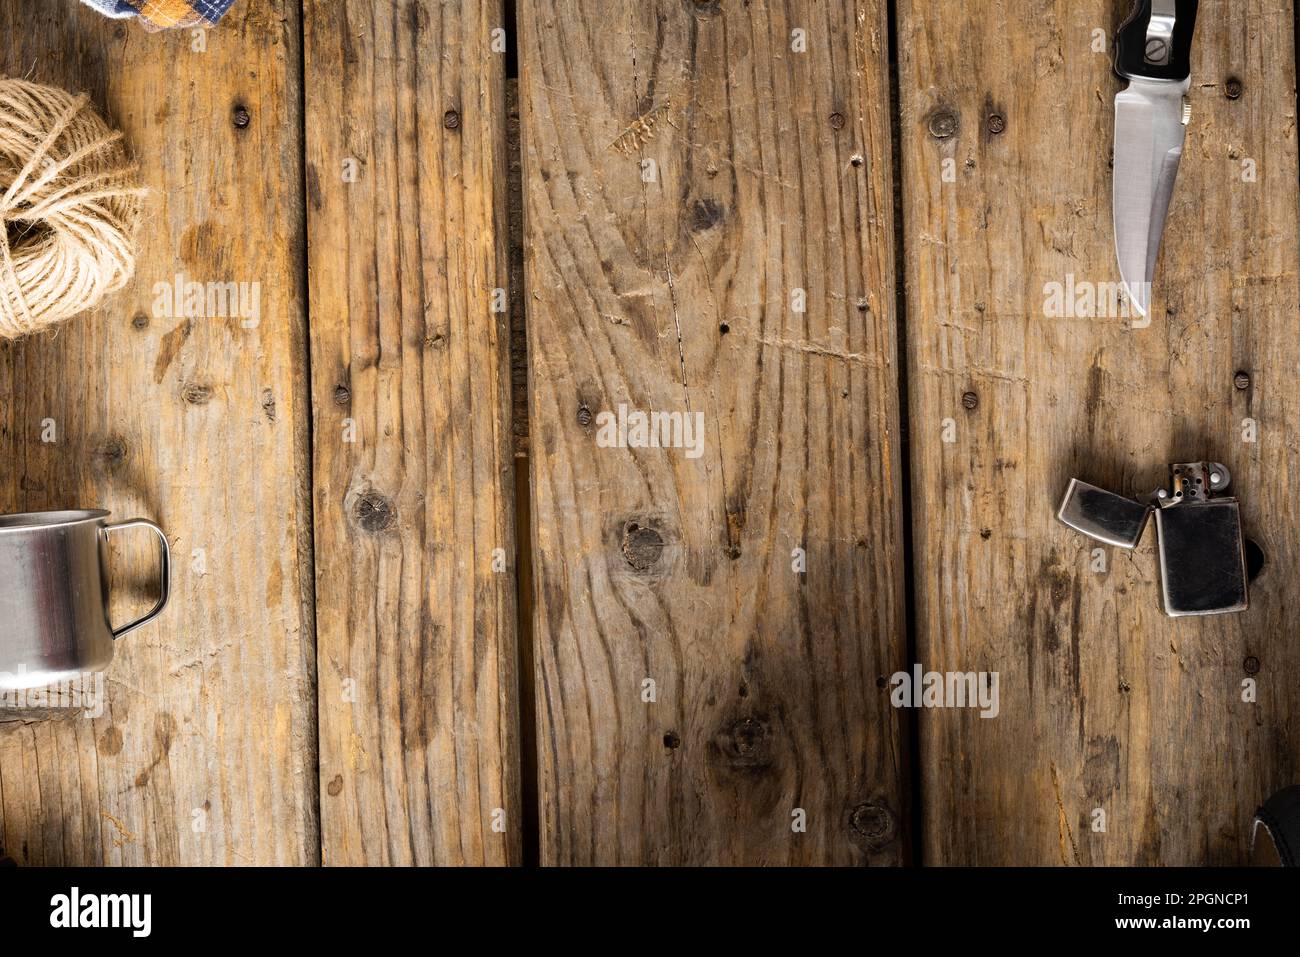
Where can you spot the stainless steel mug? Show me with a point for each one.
(54, 595)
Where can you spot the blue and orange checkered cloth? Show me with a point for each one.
(162, 14)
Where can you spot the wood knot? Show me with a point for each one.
(705, 214)
(943, 124)
(672, 741)
(704, 8)
(195, 393)
(110, 742)
(871, 826)
(112, 451)
(374, 512)
(745, 745)
(642, 546)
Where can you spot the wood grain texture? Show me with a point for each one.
(205, 753)
(414, 476)
(1104, 702)
(677, 295)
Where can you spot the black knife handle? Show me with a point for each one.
(1131, 44)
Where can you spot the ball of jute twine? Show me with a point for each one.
(69, 201)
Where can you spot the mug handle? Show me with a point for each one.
(165, 578)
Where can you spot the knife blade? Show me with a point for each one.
(1152, 52)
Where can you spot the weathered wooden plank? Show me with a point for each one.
(205, 752)
(414, 483)
(1105, 704)
(686, 172)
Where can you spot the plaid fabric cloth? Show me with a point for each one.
(161, 14)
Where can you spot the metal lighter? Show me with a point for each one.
(1198, 535)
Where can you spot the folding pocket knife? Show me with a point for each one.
(1153, 52)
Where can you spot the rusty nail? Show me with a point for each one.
(837, 121)
(584, 416)
(342, 395)
(241, 118)
(451, 119)
(1251, 665)
(997, 123)
(970, 400)
(1232, 89)
(1242, 381)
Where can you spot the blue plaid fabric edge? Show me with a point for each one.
(209, 10)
